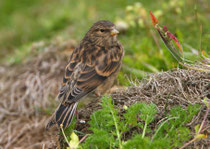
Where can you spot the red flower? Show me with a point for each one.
(171, 36)
(154, 20)
(165, 29)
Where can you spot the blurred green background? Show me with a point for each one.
(23, 22)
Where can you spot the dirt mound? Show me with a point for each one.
(166, 89)
(28, 93)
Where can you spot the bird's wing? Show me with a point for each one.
(67, 78)
(86, 77)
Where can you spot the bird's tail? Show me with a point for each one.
(63, 115)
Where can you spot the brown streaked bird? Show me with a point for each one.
(92, 66)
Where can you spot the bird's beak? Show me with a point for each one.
(114, 32)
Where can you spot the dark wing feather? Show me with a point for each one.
(67, 77)
(82, 88)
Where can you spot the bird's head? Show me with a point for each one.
(102, 32)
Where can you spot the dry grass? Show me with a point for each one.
(28, 92)
(175, 87)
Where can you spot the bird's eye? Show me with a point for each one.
(102, 30)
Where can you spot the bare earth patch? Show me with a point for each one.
(28, 93)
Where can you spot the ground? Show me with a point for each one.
(29, 93)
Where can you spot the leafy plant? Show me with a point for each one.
(105, 126)
(173, 130)
(108, 126)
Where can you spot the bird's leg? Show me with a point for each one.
(97, 94)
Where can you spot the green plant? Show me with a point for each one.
(109, 127)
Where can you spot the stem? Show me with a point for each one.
(61, 126)
(162, 126)
(204, 119)
(145, 127)
(191, 141)
(116, 126)
(79, 132)
(95, 120)
(194, 67)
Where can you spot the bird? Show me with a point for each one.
(93, 67)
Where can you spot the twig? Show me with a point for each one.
(83, 138)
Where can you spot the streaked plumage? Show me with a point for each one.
(96, 60)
